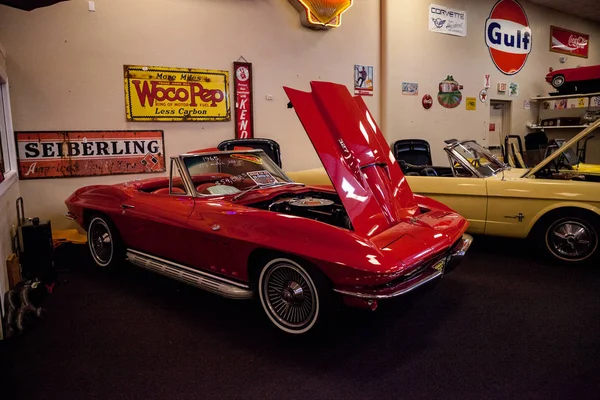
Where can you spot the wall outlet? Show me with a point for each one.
(92, 5)
(269, 97)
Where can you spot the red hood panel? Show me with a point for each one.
(356, 156)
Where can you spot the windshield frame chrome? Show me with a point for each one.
(452, 152)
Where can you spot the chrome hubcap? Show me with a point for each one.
(101, 242)
(558, 81)
(289, 295)
(572, 240)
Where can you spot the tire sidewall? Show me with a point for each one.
(313, 286)
(548, 247)
(98, 220)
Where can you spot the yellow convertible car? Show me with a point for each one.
(553, 203)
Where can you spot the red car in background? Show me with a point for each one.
(575, 80)
(232, 222)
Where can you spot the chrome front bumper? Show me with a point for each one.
(458, 252)
(434, 269)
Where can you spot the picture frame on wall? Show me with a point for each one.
(566, 41)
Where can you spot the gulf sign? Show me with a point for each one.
(508, 36)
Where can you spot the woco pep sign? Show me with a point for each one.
(508, 36)
(176, 94)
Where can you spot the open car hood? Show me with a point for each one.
(356, 156)
(562, 149)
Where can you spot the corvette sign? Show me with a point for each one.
(446, 20)
(63, 154)
(176, 94)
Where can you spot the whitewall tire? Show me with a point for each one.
(290, 296)
(103, 242)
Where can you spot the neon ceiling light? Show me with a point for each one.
(321, 14)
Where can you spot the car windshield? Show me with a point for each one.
(480, 158)
(232, 172)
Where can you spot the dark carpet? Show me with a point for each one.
(504, 325)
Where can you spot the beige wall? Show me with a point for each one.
(66, 67)
(8, 219)
(413, 54)
(9, 190)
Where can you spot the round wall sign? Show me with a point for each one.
(483, 96)
(427, 101)
(508, 36)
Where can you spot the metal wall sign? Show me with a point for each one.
(569, 42)
(176, 94)
(61, 154)
(242, 88)
(447, 20)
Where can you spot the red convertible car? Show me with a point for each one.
(232, 222)
(575, 80)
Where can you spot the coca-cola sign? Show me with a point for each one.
(569, 42)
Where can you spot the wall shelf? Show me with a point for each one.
(532, 126)
(566, 96)
(554, 113)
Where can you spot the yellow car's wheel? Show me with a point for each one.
(571, 239)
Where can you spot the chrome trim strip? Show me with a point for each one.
(185, 177)
(400, 292)
(461, 160)
(200, 279)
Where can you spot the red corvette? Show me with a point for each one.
(233, 223)
(575, 80)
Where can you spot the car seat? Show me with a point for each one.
(428, 171)
(166, 190)
(203, 188)
(413, 151)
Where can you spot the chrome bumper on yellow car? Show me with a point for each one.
(433, 269)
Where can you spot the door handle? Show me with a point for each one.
(127, 206)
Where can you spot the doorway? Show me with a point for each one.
(500, 123)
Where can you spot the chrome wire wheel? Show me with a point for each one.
(571, 239)
(289, 296)
(100, 242)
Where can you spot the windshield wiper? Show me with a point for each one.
(258, 186)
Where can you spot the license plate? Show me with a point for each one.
(439, 266)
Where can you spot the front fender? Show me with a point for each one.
(557, 206)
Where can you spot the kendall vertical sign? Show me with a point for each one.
(508, 36)
(242, 86)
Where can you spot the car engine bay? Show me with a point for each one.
(319, 206)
